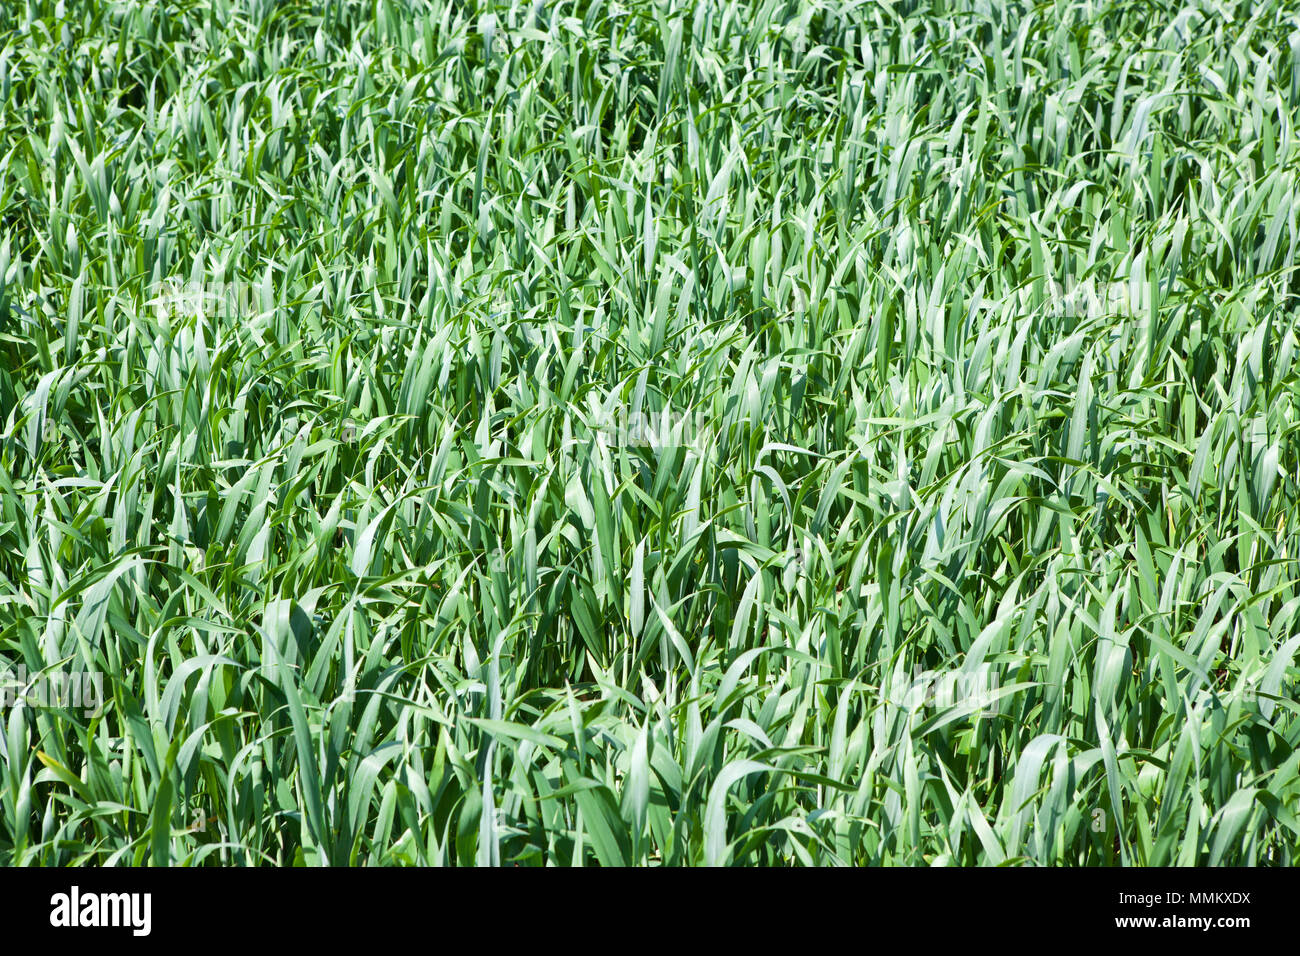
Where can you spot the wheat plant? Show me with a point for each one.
(635, 432)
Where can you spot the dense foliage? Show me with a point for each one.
(649, 432)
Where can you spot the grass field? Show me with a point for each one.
(647, 432)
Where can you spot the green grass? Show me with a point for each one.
(651, 433)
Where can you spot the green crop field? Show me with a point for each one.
(649, 432)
